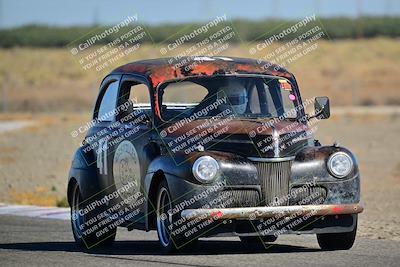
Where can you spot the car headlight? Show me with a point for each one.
(205, 169)
(340, 164)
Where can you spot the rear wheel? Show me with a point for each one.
(80, 231)
(337, 241)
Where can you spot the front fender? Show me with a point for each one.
(311, 163)
(234, 169)
(310, 166)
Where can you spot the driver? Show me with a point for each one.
(236, 95)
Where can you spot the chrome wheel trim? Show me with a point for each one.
(77, 218)
(163, 205)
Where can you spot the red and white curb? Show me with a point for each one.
(35, 211)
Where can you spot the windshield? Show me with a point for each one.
(242, 97)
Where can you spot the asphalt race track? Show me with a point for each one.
(48, 242)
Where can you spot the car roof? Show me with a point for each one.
(165, 69)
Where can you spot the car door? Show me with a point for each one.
(96, 138)
(129, 149)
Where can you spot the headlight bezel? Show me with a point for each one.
(330, 168)
(196, 165)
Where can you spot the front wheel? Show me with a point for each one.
(85, 236)
(169, 242)
(337, 241)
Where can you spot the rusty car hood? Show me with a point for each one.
(242, 136)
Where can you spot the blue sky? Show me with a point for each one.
(15, 13)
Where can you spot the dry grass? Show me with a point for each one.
(34, 161)
(350, 72)
(39, 196)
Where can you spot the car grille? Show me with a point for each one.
(236, 198)
(274, 178)
(314, 195)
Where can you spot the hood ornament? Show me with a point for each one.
(275, 141)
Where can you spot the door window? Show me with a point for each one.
(108, 102)
(135, 100)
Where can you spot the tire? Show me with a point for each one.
(258, 239)
(78, 221)
(337, 241)
(164, 223)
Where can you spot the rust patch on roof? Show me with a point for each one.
(159, 71)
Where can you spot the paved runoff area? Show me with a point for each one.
(40, 236)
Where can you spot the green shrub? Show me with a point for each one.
(337, 28)
(62, 203)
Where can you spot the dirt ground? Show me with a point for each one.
(375, 141)
(34, 161)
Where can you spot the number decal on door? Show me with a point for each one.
(102, 156)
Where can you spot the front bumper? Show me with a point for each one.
(254, 213)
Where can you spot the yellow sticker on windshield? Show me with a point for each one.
(284, 85)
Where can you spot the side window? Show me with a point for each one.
(108, 103)
(135, 102)
(139, 94)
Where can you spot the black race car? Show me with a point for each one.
(209, 146)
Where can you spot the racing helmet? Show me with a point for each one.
(237, 97)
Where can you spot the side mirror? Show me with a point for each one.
(321, 107)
